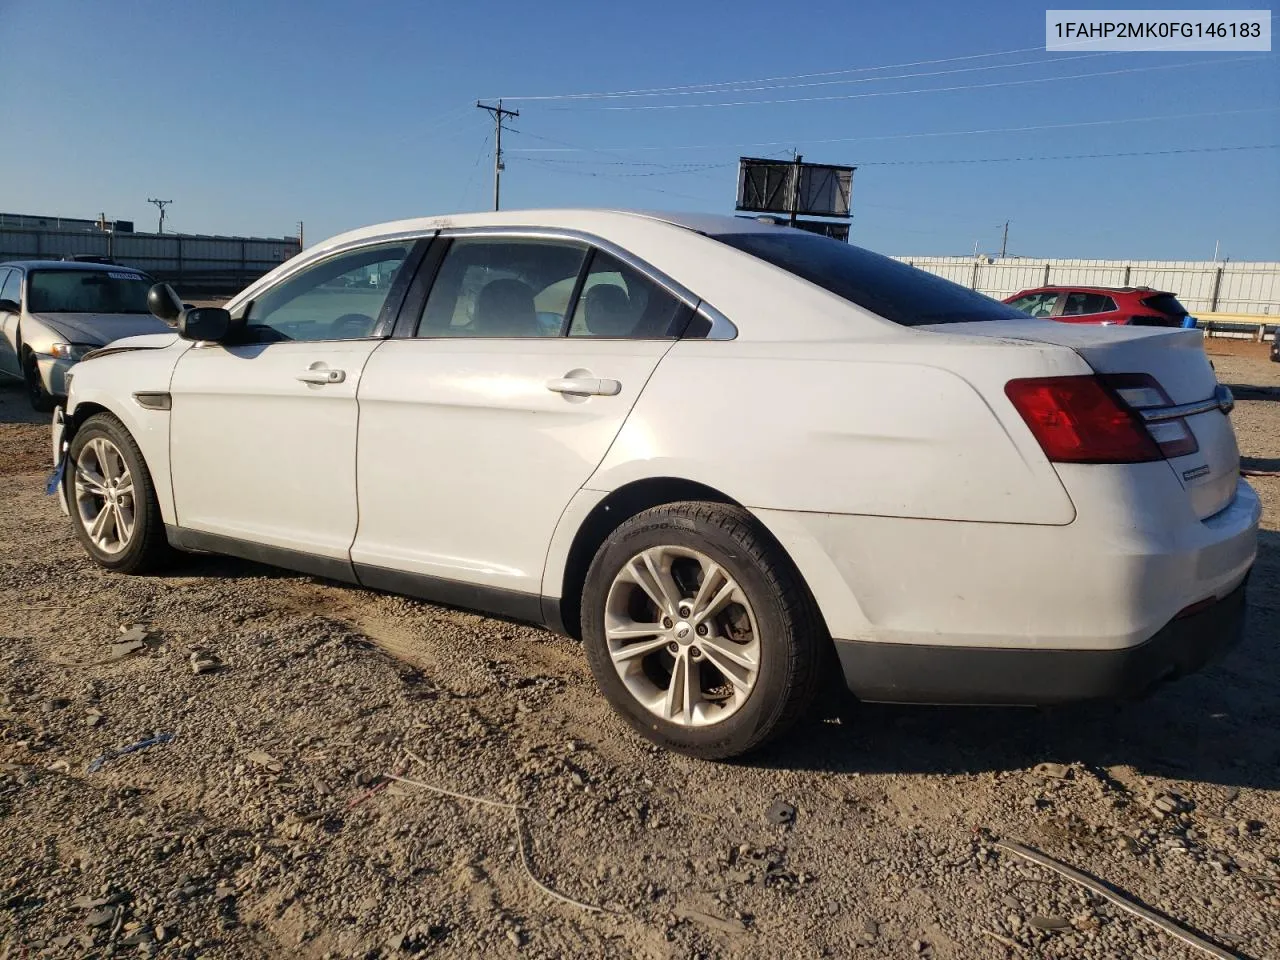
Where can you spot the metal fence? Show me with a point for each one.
(1202, 286)
(193, 263)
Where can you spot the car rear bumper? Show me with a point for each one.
(924, 673)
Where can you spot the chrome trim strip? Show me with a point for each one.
(722, 327)
(1221, 400)
(109, 350)
(316, 255)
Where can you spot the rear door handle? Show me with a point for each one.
(323, 375)
(585, 386)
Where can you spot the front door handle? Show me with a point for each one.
(322, 375)
(585, 386)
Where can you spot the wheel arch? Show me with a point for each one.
(563, 613)
(151, 437)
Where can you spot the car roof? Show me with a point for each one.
(585, 218)
(1093, 288)
(67, 265)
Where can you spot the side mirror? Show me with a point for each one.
(8, 306)
(164, 302)
(210, 324)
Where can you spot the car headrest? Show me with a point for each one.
(607, 310)
(504, 308)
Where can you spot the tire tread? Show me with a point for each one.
(153, 549)
(808, 635)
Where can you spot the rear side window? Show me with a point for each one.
(886, 287)
(1165, 303)
(617, 302)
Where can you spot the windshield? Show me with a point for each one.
(886, 287)
(87, 291)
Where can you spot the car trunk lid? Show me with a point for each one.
(1175, 358)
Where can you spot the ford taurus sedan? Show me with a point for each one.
(53, 312)
(726, 455)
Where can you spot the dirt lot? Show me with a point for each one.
(257, 823)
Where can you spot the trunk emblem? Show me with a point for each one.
(1196, 473)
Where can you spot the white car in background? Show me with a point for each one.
(724, 454)
(53, 312)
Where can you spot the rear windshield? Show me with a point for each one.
(886, 287)
(87, 291)
(1165, 303)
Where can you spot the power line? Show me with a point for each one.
(1040, 61)
(794, 76)
(900, 136)
(1069, 156)
(898, 93)
(466, 191)
(701, 168)
(636, 186)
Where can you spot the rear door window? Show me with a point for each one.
(886, 287)
(507, 288)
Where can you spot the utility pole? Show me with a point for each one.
(498, 113)
(160, 205)
(1004, 242)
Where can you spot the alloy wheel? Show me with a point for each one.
(682, 636)
(104, 495)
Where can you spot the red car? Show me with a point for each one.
(1141, 306)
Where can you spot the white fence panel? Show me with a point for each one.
(1202, 286)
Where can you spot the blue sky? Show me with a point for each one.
(253, 116)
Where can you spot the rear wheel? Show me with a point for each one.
(114, 510)
(41, 400)
(699, 631)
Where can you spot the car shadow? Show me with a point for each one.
(14, 405)
(1260, 463)
(1220, 726)
(1248, 391)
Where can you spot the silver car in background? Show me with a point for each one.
(53, 312)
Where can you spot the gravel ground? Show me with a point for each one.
(263, 826)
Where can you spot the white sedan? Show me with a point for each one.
(726, 455)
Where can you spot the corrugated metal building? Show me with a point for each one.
(194, 263)
(1203, 286)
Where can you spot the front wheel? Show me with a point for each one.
(114, 510)
(699, 631)
(42, 400)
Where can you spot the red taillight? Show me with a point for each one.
(1080, 420)
(1141, 391)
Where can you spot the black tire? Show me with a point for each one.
(793, 640)
(42, 401)
(147, 549)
